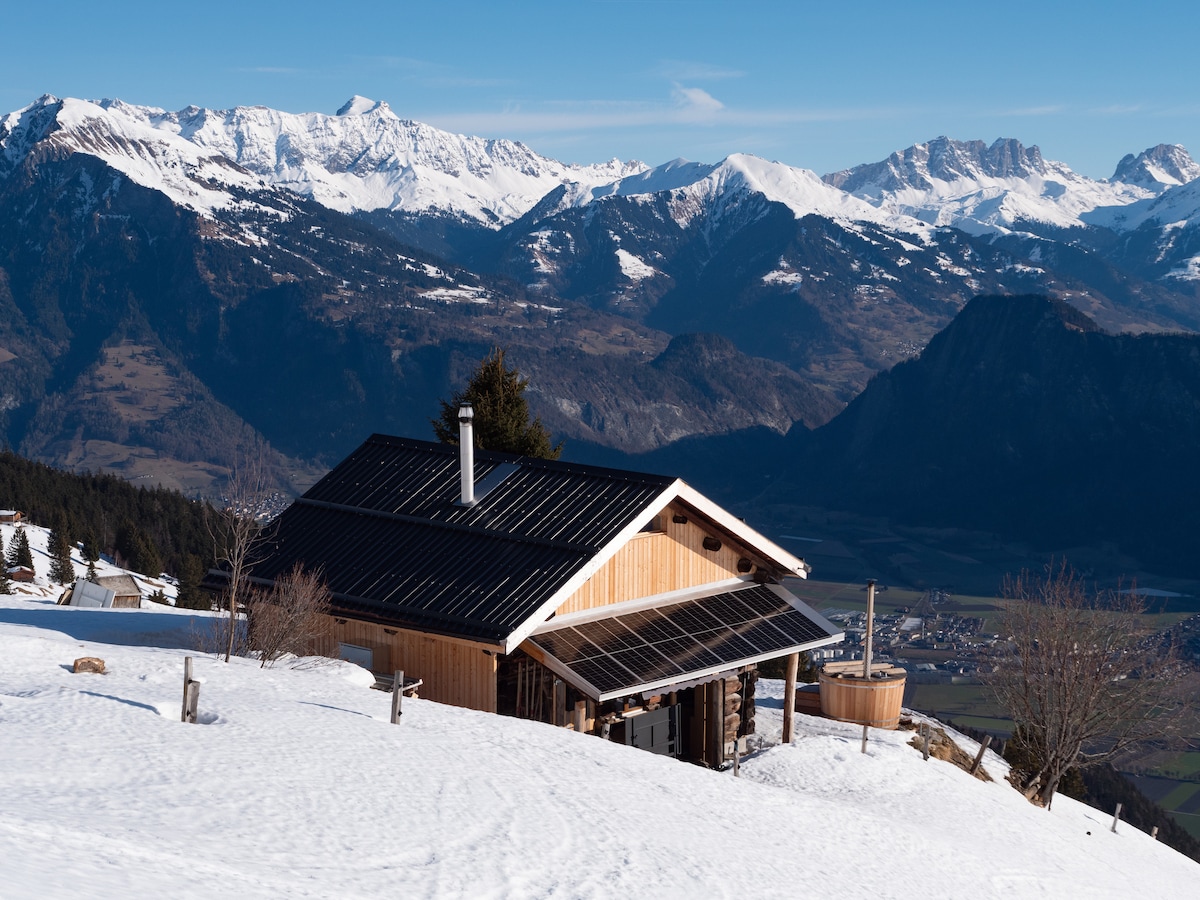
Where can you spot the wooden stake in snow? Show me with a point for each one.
(864, 746)
(191, 693)
(789, 696)
(397, 693)
(1116, 818)
(987, 739)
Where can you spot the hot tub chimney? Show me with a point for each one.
(466, 454)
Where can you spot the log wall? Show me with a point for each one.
(457, 672)
(657, 562)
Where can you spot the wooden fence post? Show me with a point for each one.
(187, 679)
(397, 693)
(789, 696)
(987, 739)
(191, 693)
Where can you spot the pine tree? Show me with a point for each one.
(190, 596)
(19, 553)
(5, 584)
(497, 394)
(61, 568)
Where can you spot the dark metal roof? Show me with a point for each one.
(387, 533)
(651, 648)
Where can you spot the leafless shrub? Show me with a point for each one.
(292, 617)
(1084, 679)
(210, 635)
(236, 533)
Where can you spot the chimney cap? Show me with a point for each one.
(465, 412)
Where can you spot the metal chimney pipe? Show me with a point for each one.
(466, 454)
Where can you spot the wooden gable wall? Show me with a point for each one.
(660, 561)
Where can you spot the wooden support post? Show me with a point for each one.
(736, 758)
(559, 717)
(987, 739)
(1116, 818)
(397, 694)
(187, 680)
(580, 722)
(926, 733)
(716, 724)
(789, 697)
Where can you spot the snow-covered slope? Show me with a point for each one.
(294, 784)
(363, 158)
(191, 176)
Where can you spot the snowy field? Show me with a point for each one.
(295, 784)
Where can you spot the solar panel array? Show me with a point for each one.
(671, 643)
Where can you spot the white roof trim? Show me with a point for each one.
(743, 532)
(657, 505)
(676, 490)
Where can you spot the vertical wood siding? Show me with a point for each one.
(654, 563)
(454, 672)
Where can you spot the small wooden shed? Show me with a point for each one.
(108, 591)
(619, 603)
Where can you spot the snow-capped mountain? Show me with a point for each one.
(982, 189)
(696, 189)
(1158, 168)
(50, 128)
(363, 158)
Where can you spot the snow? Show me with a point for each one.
(295, 784)
(633, 268)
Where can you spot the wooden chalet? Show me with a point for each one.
(622, 604)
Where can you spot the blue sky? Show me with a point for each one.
(823, 86)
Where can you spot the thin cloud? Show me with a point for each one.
(688, 107)
(1117, 110)
(696, 103)
(1033, 111)
(270, 70)
(683, 70)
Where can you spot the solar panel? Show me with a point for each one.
(634, 651)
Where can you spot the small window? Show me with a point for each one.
(654, 526)
(360, 656)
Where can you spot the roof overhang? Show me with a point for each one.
(677, 639)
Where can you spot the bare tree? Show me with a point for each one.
(236, 531)
(292, 617)
(1085, 678)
